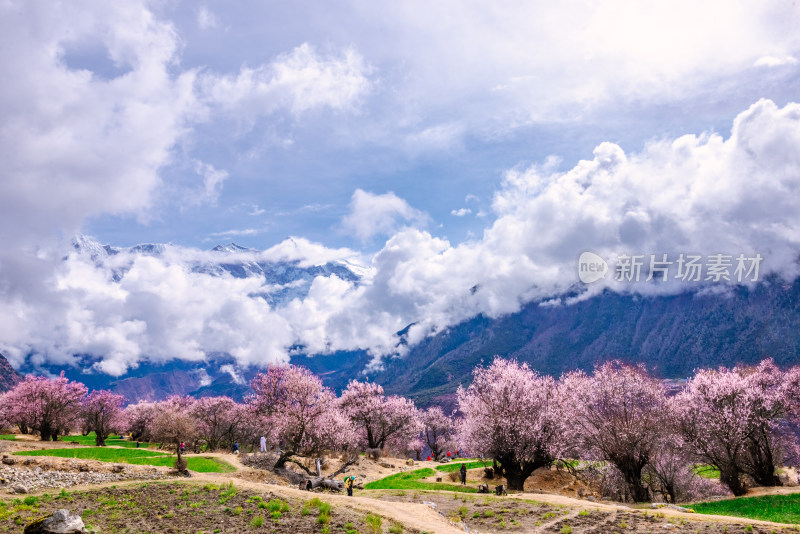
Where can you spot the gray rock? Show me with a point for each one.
(58, 523)
(19, 489)
(7, 460)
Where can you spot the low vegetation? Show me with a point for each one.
(89, 439)
(413, 479)
(777, 508)
(189, 507)
(201, 464)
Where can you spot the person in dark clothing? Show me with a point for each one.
(236, 448)
(463, 472)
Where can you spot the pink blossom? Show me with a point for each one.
(46, 406)
(737, 420)
(513, 415)
(301, 414)
(379, 420)
(618, 415)
(102, 412)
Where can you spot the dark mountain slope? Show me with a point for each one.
(671, 335)
(9, 377)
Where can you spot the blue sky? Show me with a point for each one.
(445, 71)
(458, 128)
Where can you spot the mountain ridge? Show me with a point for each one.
(9, 377)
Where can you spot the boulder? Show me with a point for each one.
(8, 460)
(19, 489)
(60, 522)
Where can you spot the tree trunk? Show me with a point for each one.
(730, 477)
(326, 483)
(633, 479)
(517, 472)
(762, 467)
(47, 433)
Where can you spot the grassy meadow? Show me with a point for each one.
(200, 464)
(777, 508)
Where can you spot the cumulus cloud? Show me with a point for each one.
(301, 81)
(700, 194)
(99, 107)
(372, 215)
(694, 194)
(83, 138)
(461, 212)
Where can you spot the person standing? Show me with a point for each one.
(348, 484)
(263, 444)
(463, 472)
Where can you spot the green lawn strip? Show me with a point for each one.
(8, 437)
(89, 439)
(455, 466)
(776, 508)
(706, 471)
(201, 464)
(411, 480)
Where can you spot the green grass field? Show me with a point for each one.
(455, 466)
(8, 437)
(112, 441)
(201, 464)
(777, 508)
(706, 471)
(412, 479)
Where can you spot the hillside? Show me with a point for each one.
(9, 377)
(671, 335)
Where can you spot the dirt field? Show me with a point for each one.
(191, 507)
(252, 500)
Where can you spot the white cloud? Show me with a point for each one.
(209, 191)
(461, 212)
(775, 61)
(206, 20)
(372, 215)
(300, 81)
(236, 233)
(695, 194)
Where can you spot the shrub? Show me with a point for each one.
(374, 522)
